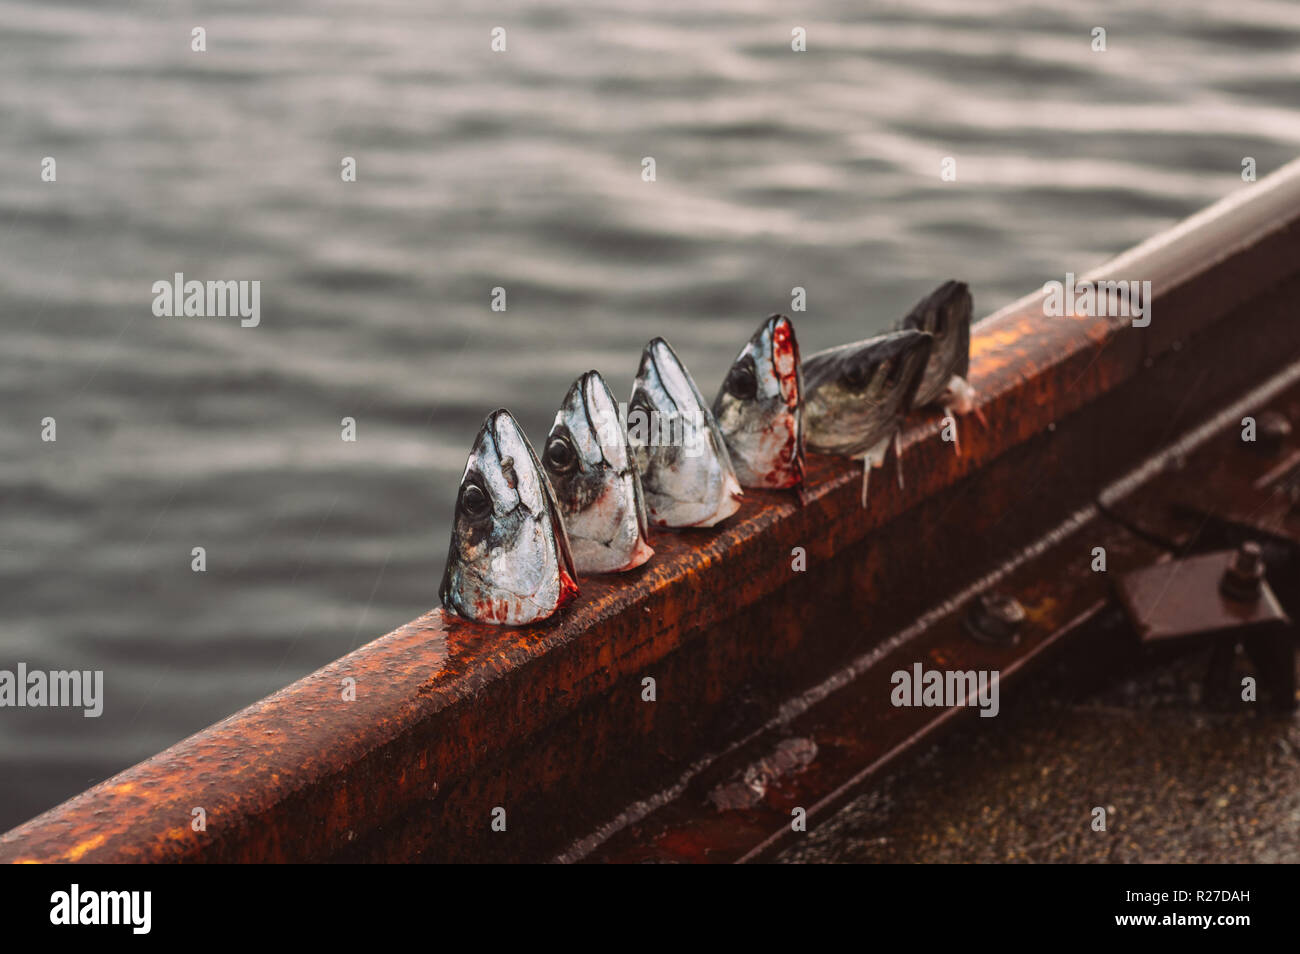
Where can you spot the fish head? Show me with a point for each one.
(946, 315)
(759, 408)
(509, 560)
(686, 473)
(858, 393)
(596, 484)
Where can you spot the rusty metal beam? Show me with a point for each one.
(826, 744)
(452, 719)
(723, 810)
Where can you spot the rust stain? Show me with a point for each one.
(76, 852)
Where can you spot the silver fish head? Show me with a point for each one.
(945, 313)
(759, 408)
(509, 560)
(858, 393)
(686, 472)
(595, 481)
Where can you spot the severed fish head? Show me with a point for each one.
(597, 486)
(856, 394)
(686, 472)
(945, 313)
(509, 560)
(759, 408)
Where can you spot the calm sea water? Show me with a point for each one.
(479, 169)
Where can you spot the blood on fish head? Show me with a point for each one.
(759, 408)
(509, 561)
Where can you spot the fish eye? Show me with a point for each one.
(894, 370)
(742, 383)
(560, 457)
(856, 377)
(474, 502)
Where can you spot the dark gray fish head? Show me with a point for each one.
(759, 408)
(509, 560)
(946, 314)
(857, 394)
(686, 472)
(587, 460)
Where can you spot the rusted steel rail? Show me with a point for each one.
(824, 744)
(452, 720)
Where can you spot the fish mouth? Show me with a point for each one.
(504, 432)
(786, 366)
(673, 380)
(657, 354)
(601, 413)
(668, 405)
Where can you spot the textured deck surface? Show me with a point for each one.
(1180, 784)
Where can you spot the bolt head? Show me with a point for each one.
(995, 618)
(1242, 579)
(1248, 558)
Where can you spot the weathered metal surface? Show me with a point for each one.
(1180, 784)
(1182, 599)
(1228, 489)
(856, 731)
(1222, 598)
(850, 722)
(452, 719)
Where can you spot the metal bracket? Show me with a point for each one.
(1223, 599)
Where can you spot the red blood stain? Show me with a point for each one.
(789, 469)
(785, 359)
(492, 610)
(568, 588)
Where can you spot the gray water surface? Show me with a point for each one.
(478, 169)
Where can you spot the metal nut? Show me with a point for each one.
(1242, 579)
(996, 619)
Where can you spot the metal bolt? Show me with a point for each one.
(995, 619)
(1241, 580)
